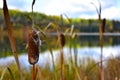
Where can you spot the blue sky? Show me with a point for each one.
(72, 8)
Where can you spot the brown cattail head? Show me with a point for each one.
(103, 25)
(62, 39)
(33, 47)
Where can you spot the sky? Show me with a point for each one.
(72, 8)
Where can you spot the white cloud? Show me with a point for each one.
(73, 8)
(1, 5)
(86, 16)
(111, 13)
(23, 5)
(63, 6)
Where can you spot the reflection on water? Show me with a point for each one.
(94, 40)
(83, 40)
(45, 59)
(89, 47)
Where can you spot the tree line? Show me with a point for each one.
(19, 19)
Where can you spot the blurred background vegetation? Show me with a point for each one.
(21, 22)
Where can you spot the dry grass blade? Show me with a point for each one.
(11, 74)
(11, 38)
(3, 73)
(38, 73)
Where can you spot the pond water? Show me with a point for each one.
(83, 39)
(45, 58)
(87, 41)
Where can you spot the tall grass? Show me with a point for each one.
(73, 69)
(101, 24)
(87, 70)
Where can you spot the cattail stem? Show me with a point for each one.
(101, 46)
(11, 38)
(101, 30)
(33, 72)
(33, 14)
(61, 39)
(62, 65)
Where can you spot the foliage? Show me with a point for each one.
(86, 70)
(20, 19)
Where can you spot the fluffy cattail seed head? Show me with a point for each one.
(62, 39)
(33, 47)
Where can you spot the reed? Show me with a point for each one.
(11, 37)
(33, 42)
(10, 72)
(71, 41)
(61, 44)
(84, 71)
(61, 39)
(101, 24)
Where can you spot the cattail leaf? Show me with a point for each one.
(61, 18)
(67, 30)
(72, 29)
(11, 74)
(95, 7)
(51, 24)
(43, 33)
(3, 73)
(69, 20)
(74, 35)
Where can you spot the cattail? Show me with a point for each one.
(62, 43)
(103, 25)
(33, 47)
(62, 39)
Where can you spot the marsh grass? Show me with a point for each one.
(73, 69)
(11, 72)
(88, 69)
(101, 25)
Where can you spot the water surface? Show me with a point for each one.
(46, 59)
